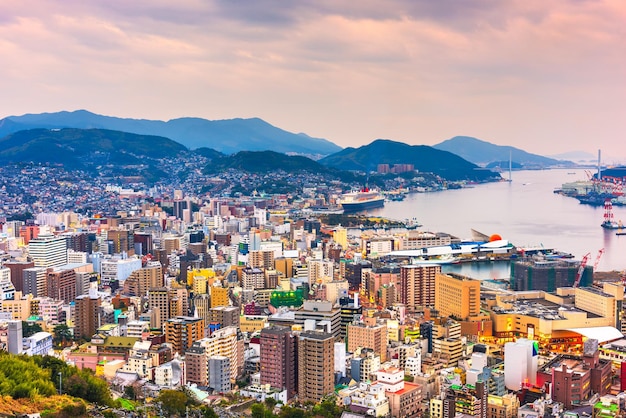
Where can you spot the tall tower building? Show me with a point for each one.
(278, 359)
(457, 296)
(87, 315)
(159, 302)
(48, 251)
(417, 285)
(182, 331)
(14, 338)
(316, 358)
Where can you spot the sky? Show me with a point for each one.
(544, 76)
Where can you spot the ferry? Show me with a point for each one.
(360, 200)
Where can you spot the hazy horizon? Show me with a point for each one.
(545, 77)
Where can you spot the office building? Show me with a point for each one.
(17, 272)
(48, 251)
(219, 374)
(457, 296)
(61, 283)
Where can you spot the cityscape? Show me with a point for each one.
(313, 209)
(289, 304)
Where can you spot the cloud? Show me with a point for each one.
(516, 73)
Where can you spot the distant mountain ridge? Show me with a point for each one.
(486, 154)
(226, 136)
(424, 158)
(90, 150)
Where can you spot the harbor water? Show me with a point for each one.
(525, 211)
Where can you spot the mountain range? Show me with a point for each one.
(424, 158)
(226, 136)
(486, 154)
(72, 137)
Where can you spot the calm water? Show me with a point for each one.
(525, 211)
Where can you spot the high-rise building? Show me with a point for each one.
(34, 281)
(48, 251)
(17, 272)
(323, 313)
(225, 316)
(457, 296)
(252, 278)
(262, 259)
(278, 359)
(122, 241)
(223, 342)
(139, 281)
(369, 334)
(87, 315)
(321, 271)
(61, 283)
(219, 296)
(520, 363)
(417, 285)
(183, 331)
(315, 365)
(219, 374)
(159, 303)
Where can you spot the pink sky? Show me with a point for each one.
(544, 76)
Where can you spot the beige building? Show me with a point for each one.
(316, 358)
(417, 286)
(368, 334)
(140, 281)
(457, 296)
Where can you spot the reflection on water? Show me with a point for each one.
(482, 270)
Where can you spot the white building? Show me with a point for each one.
(48, 251)
(170, 374)
(7, 290)
(38, 344)
(219, 374)
(117, 269)
(520, 363)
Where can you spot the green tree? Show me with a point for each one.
(30, 328)
(207, 412)
(172, 401)
(259, 410)
(291, 412)
(62, 335)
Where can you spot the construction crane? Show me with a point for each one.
(581, 269)
(595, 265)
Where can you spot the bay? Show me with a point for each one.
(525, 211)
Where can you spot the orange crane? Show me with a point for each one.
(581, 269)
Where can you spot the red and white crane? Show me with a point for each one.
(581, 269)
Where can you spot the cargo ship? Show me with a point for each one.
(361, 200)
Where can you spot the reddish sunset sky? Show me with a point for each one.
(544, 76)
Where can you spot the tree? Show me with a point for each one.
(30, 328)
(259, 410)
(62, 335)
(172, 401)
(208, 412)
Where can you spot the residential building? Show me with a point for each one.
(315, 365)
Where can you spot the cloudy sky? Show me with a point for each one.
(545, 76)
